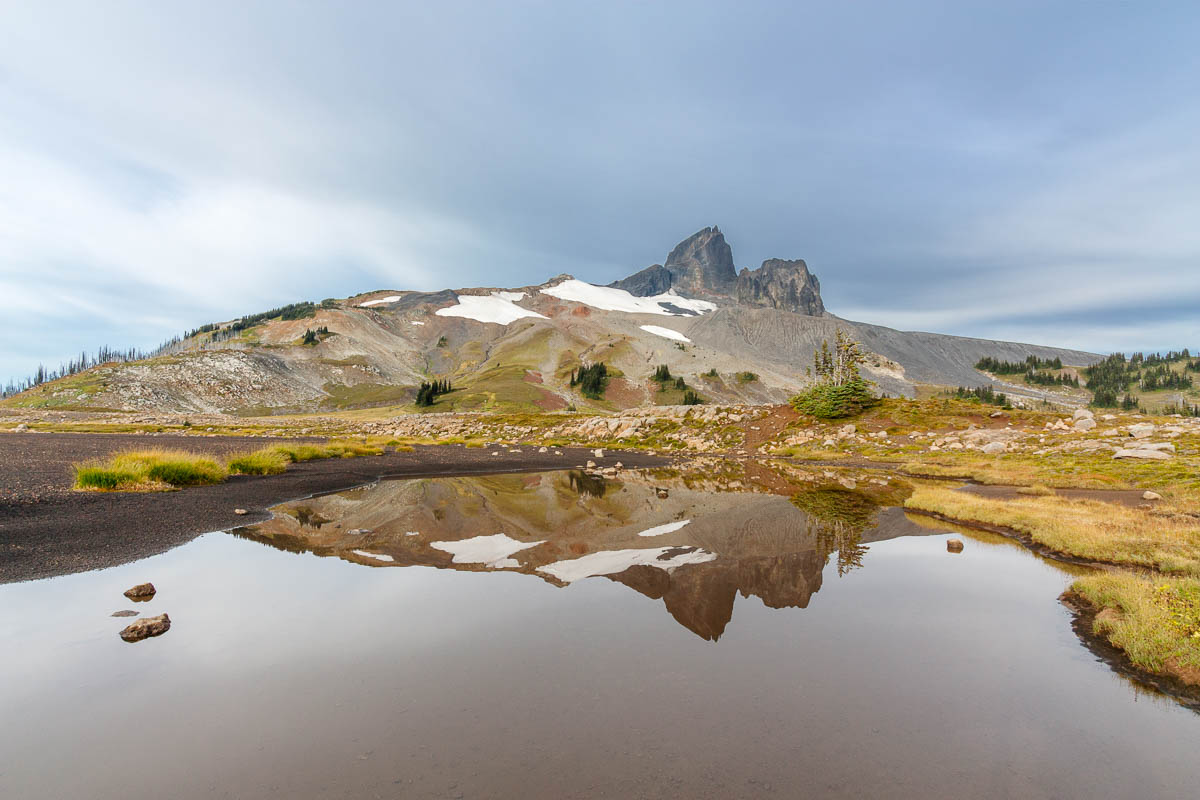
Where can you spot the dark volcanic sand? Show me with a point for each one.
(46, 529)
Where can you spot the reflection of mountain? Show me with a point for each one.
(695, 550)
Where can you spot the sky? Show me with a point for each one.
(1024, 171)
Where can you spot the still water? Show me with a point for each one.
(557, 635)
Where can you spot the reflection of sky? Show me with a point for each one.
(967, 168)
(299, 671)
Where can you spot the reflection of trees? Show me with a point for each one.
(591, 485)
(309, 518)
(838, 519)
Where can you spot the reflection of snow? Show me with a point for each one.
(416, 322)
(609, 299)
(376, 556)
(389, 299)
(609, 562)
(491, 550)
(666, 333)
(659, 530)
(498, 307)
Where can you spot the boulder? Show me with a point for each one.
(994, 448)
(1142, 430)
(1082, 413)
(1149, 495)
(22, 428)
(141, 591)
(954, 545)
(1155, 455)
(1085, 424)
(662, 494)
(146, 627)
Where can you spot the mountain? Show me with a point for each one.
(744, 337)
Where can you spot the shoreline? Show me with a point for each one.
(49, 530)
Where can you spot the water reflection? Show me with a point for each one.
(711, 538)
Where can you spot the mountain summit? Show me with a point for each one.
(702, 265)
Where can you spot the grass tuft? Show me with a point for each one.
(142, 470)
(267, 461)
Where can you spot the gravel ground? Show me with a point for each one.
(47, 529)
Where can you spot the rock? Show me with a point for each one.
(1142, 430)
(1108, 417)
(1156, 455)
(1149, 495)
(786, 285)
(241, 512)
(619, 465)
(21, 428)
(996, 414)
(125, 613)
(954, 545)
(146, 627)
(661, 493)
(141, 591)
(1166, 447)
(543, 449)
(1085, 424)
(598, 452)
(590, 465)
(1082, 413)
(994, 448)
(848, 430)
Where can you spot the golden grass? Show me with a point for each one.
(1087, 529)
(1154, 620)
(149, 470)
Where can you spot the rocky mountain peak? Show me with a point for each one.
(702, 266)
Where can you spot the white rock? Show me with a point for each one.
(1148, 495)
(994, 448)
(1084, 424)
(1082, 413)
(1142, 430)
(1156, 455)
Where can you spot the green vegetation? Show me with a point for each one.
(662, 373)
(592, 380)
(136, 470)
(267, 461)
(442, 341)
(690, 398)
(311, 337)
(1030, 364)
(427, 393)
(1155, 621)
(712, 373)
(983, 394)
(746, 377)
(840, 391)
(329, 302)
(291, 311)
(1113, 380)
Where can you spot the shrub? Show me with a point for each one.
(833, 401)
(746, 377)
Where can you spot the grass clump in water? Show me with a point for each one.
(295, 453)
(1153, 620)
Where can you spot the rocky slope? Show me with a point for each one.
(740, 338)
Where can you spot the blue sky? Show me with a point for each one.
(1027, 171)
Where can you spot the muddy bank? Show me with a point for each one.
(46, 529)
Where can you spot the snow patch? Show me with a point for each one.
(415, 322)
(659, 530)
(498, 307)
(607, 298)
(491, 550)
(376, 556)
(666, 333)
(389, 299)
(610, 562)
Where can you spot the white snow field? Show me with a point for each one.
(659, 530)
(492, 550)
(666, 333)
(610, 562)
(608, 299)
(389, 299)
(498, 307)
(376, 556)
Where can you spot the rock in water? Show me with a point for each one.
(125, 613)
(146, 627)
(954, 545)
(141, 591)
